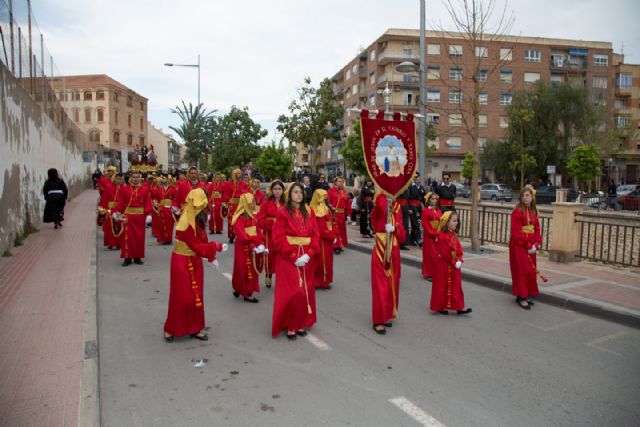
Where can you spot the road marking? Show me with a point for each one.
(415, 412)
(227, 275)
(317, 342)
(594, 343)
(556, 327)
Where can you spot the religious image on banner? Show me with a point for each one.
(389, 148)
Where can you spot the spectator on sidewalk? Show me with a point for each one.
(524, 243)
(185, 314)
(612, 195)
(446, 192)
(366, 198)
(55, 193)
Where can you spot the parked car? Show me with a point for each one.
(623, 190)
(462, 190)
(631, 201)
(495, 192)
(546, 194)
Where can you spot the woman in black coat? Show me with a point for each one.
(55, 193)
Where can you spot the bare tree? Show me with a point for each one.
(472, 67)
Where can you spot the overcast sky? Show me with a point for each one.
(256, 53)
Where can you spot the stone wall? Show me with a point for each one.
(30, 144)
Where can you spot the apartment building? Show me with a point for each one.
(165, 147)
(501, 66)
(625, 164)
(112, 115)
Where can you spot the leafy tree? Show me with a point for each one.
(467, 166)
(499, 156)
(584, 164)
(352, 151)
(195, 131)
(235, 139)
(313, 117)
(275, 161)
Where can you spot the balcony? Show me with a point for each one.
(396, 56)
(623, 91)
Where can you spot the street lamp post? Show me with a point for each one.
(169, 64)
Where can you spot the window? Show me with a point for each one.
(407, 98)
(348, 74)
(620, 103)
(600, 82)
(76, 115)
(505, 98)
(100, 115)
(504, 122)
(623, 80)
(354, 69)
(556, 79)
(372, 78)
(433, 49)
(482, 52)
(454, 143)
(372, 56)
(455, 73)
(506, 76)
(531, 77)
(100, 95)
(483, 75)
(88, 96)
(482, 120)
(141, 106)
(482, 142)
(455, 50)
(623, 122)
(372, 99)
(129, 139)
(141, 124)
(115, 116)
(116, 137)
(455, 97)
(433, 118)
(601, 60)
(483, 98)
(141, 140)
(354, 89)
(433, 95)
(76, 96)
(433, 72)
(532, 55)
(506, 54)
(455, 120)
(94, 136)
(407, 52)
(129, 101)
(129, 120)
(116, 97)
(87, 115)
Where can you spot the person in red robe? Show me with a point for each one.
(133, 209)
(385, 268)
(184, 186)
(339, 202)
(446, 289)
(258, 194)
(106, 180)
(295, 237)
(248, 251)
(215, 190)
(106, 206)
(162, 203)
(185, 315)
(430, 218)
(233, 189)
(323, 260)
(523, 245)
(266, 220)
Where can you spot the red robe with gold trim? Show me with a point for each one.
(216, 190)
(525, 233)
(185, 315)
(266, 220)
(324, 258)
(165, 218)
(446, 289)
(385, 277)
(429, 218)
(135, 204)
(231, 196)
(108, 200)
(294, 300)
(246, 277)
(339, 200)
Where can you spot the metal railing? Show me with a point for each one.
(613, 239)
(25, 55)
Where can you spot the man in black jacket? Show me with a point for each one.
(447, 193)
(416, 194)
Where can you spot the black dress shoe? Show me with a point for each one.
(169, 338)
(203, 337)
(382, 331)
(252, 299)
(336, 251)
(531, 302)
(445, 312)
(302, 333)
(465, 311)
(126, 262)
(138, 261)
(521, 302)
(231, 239)
(388, 325)
(235, 294)
(292, 337)
(404, 247)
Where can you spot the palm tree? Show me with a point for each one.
(195, 131)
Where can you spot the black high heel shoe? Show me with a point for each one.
(302, 333)
(292, 337)
(235, 294)
(465, 311)
(252, 299)
(204, 337)
(521, 302)
(168, 338)
(376, 328)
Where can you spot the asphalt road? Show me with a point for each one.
(500, 366)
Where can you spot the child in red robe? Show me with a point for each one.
(430, 218)
(266, 220)
(248, 251)
(324, 258)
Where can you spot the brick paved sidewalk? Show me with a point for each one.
(44, 289)
(595, 288)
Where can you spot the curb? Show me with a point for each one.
(503, 285)
(90, 382)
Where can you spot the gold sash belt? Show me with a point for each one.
(216, 195)
(165, 202)
(235, 200)
(528, 228)
(299, 241)
(338, 210)
(112, 204)
(251, 231)
(329, 225)
(182, 248)
(134, 211)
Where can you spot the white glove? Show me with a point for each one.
(458, 265)
(225, 247)
(533, 250)
(208, 217)
(214, 264)
(175, 210)
(261, 249)
(148, 219)
(389, 228)
(114, 215)
(266, 251)
(303, 260)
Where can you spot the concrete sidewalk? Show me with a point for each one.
(47, 324)
(607, 292)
